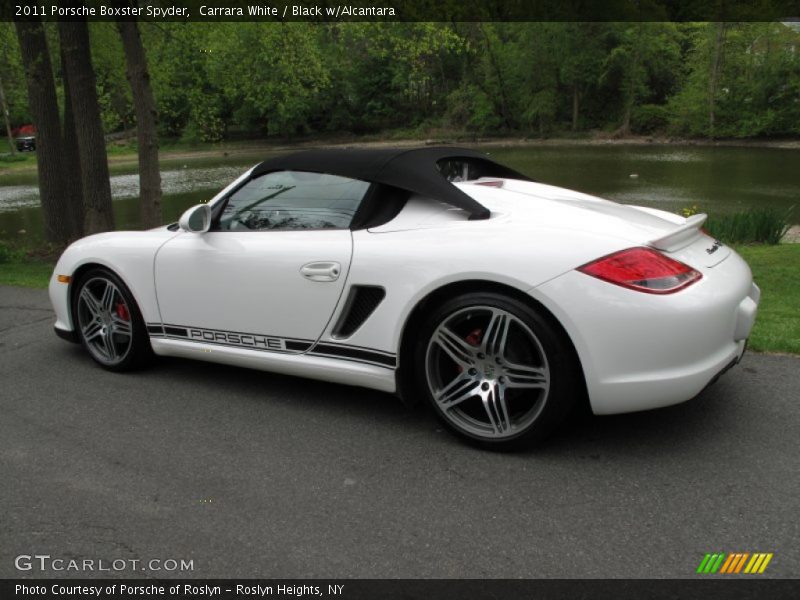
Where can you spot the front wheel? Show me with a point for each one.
(496, 371)
(108, 322)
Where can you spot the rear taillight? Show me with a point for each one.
(643, 270)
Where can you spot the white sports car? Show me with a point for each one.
(434, 273)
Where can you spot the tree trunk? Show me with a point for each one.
(99, 214)
(146, 117)
(12, 146)
(501, 86)
(44, 108)
(631, 85)
(575, 106)
(625, 129)
(72, 163)
(714, 77)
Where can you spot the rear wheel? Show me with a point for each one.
(495, 371)
(109, 323)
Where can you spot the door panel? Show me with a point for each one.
(252, 282)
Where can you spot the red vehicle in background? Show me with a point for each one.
(25, 138)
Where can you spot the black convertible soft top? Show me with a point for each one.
(424, 171)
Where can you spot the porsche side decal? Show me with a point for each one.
(269, 343)
(252, 341)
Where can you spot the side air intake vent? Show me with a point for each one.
(360, 304)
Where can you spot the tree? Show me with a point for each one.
(272, 70)
(581, 61)
(627, 59)
(713, 78)
(145, 107)
(497, 77)
(176, 68)
(113, 90)
(73, 188)
(643, 63)
(4, 108)
(58, 220)
(387, 74)
(743, 80)
(531, 57)
(99, 214)
(12, 73)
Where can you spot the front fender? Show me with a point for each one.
(129, 254)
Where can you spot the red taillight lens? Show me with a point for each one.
(643, 270)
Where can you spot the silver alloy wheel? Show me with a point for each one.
(487, 372)
(104, 319)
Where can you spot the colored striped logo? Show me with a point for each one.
(735, 563)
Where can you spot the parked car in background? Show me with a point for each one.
(25, 137)
(26, 143)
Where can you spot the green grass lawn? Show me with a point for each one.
(776, 270)
(26, 273)
(18, 161)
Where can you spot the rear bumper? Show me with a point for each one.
(728, 367)
(642, 351)
(665, 387)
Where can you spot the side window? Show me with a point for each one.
(463, 169)
(293, 200)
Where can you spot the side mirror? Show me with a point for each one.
(196, 220)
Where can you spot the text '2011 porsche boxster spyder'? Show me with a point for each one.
(434, 273)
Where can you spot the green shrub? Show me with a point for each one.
(649, 118)
(7, 253)
(759, 225)
(470, 108)
(17, 157)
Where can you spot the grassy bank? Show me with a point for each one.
(775, 269)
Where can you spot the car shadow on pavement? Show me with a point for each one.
(656, 431)
(275, 388)
(679, 428)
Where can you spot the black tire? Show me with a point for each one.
(138, 352)
(536, 345)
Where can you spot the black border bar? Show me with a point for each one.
(407, 10)
(732, 588)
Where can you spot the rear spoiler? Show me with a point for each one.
(680, 237)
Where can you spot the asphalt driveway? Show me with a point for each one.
(250, 474)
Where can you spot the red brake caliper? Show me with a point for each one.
(473, 339)
(122, 311)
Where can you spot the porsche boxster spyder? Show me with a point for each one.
(432, 273)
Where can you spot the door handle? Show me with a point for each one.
(321, 271)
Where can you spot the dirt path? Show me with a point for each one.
(792, 236)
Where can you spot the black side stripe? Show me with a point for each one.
(297, 345)
(352, 347)
(177, 331)
(337, 351)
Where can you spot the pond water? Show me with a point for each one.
(717, 180)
